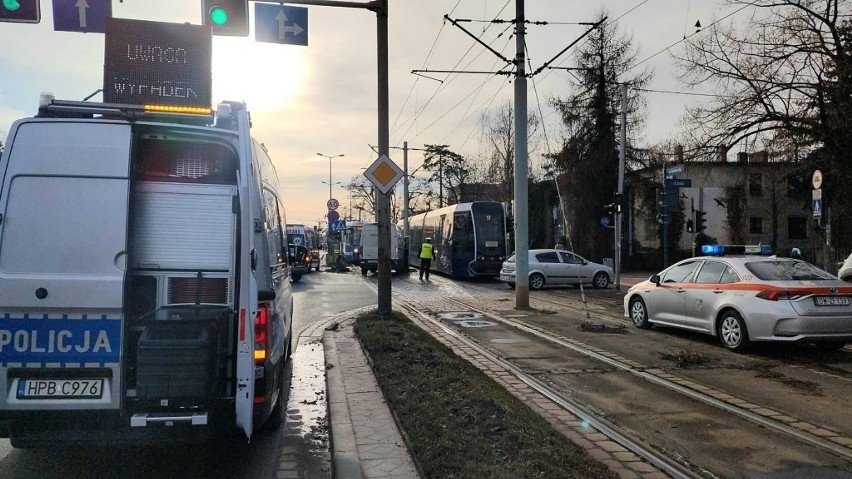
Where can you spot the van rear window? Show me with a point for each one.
(185, 161)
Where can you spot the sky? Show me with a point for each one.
(322, 98)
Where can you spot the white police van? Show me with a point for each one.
(144, 279)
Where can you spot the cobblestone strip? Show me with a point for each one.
(624, 463)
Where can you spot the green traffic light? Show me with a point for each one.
(218, 15)
(11, 5)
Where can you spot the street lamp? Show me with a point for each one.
(329, 171)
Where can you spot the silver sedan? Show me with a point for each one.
(741, 299)
(550, 267)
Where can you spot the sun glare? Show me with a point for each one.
(264, 75)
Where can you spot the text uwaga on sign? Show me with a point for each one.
(157, 63)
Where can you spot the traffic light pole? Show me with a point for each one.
(692, 213)
(620, 196)
(380, 7)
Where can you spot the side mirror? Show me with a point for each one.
(265, 294)
(655, 279)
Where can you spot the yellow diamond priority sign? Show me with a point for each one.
(384, 174)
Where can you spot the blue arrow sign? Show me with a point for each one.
(81, 15)
(280, 24)
(816, 206)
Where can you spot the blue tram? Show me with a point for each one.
(469, 239)
(350, 241)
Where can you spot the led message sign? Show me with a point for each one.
(157, 63)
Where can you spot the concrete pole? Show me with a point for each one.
(522, 260)
(383, 200)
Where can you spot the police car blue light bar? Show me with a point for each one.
(720, 250)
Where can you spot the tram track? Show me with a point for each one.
(662, 380)
(828, 441)
(564, 301)
(664, 463)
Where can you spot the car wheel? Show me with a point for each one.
(639, 313)
(363, 271)
(536, 281)
(600, 281)
(511, 285)
(276, 415)
(733, 332)
(297, 277)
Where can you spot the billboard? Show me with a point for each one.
(155, 63)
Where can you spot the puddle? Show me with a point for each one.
(305, 434)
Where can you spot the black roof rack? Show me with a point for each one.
(83, 109)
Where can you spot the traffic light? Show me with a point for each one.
(21, 11)
(610, 211)
(226, 17)
(690, 226)
(700, 221)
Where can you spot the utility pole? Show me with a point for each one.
(405, 229)
(622, 153)
(522, 260)
(521, 187)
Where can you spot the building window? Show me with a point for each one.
(755, 225)
(797, 227)
(755, 184)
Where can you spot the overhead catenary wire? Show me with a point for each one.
(447, 80)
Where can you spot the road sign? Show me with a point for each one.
(332, 204)
(816, 206)
(678, 182)
(672, 169)
(384, 174)
(87, 16)
(605, 220)
(333, 216)
(280, 24)
(816, 179)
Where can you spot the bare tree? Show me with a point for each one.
(785, 76)
(449, 169)
(498, 130)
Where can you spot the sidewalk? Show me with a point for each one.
(365, 439)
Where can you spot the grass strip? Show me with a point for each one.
(459, 422)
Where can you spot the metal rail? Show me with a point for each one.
(660, 381)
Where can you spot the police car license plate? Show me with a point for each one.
(490, 244)
(831, 300)
(60, 388)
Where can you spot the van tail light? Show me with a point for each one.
(262, 334)
(779, 295)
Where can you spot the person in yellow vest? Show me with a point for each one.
(427, 254)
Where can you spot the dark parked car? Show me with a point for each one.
(300, 261)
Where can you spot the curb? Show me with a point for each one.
(345, 461)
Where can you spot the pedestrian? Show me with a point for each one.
(795, 253)
(427, 254)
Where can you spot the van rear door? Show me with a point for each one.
(63, 253)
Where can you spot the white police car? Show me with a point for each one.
(745, 298)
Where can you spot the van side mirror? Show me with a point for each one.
(265, 294)
(655, 279)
